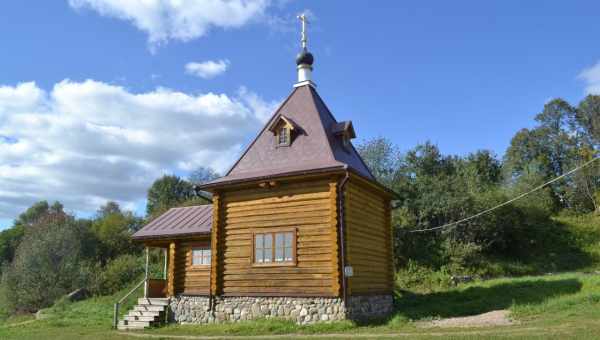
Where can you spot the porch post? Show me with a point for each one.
(165, 252)
(146, 274)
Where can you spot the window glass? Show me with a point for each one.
(288, 254)
(283, 136)
(258, 248)
(274, 247)
(288, 239)
(200, 256)
(268, 253)
(288, 246)
(279, 247)
(258, 254)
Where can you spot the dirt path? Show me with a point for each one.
(518, 331)
(494, 318)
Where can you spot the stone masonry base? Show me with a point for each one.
(195, 309)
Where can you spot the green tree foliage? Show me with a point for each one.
(47, 263)
(116, 274)
(565, 137)
(167, 192)
(382, 158)
(436, 189)
(203, 175)
(112, 229)
(588, 119)
(11, 237)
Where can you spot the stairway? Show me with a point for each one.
(148, 312)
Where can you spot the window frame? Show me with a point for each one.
(288, 136)
(273, 232)
(201, 246)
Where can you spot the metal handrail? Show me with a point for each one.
(116, 308)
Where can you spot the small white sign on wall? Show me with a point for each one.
(348, 271)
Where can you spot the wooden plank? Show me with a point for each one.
(279, 205)
(236, 270)
(309, 227)
(290, 222)
(277, 284)
(282, 290)
(264, 218)
(357, 211)
(269, 211)
(279, 199)
(277, 196)
(366, 196)
(274, 276)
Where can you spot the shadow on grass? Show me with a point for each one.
(477, 300)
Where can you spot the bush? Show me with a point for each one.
(116, 274)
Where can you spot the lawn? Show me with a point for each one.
(552, 306)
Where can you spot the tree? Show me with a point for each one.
(11, 237)
(167, 192)
(113, 228)
(382, 158)
(47, 263)
(203, 175)
(108, 209)
(588, 118)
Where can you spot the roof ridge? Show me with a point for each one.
(315, 96)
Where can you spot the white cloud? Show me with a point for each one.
(207, 69)
(591, 76)
(84, 143)
(181, 20)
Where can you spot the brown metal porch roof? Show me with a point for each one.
(183, 221)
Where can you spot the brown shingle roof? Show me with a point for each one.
(315, 148)
(178, 222)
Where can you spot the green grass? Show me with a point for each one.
(552, 306)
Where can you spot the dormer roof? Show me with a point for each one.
(317, 146)
(344, 128)
(278, 119)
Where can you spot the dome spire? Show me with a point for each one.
(305, 59)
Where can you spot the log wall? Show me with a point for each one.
(368, 239)
(188, 279)
(306, 206)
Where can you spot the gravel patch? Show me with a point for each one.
(494, 318)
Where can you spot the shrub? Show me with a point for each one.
(116, 274)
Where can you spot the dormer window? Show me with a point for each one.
(283, 136)
(284, 130)
(344, 131)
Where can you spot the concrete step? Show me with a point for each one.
(141, 324)
(138, 313)
(127, 328)
(146, 308)
(153, 301)
(129, 318)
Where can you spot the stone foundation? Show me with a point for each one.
(195, 309)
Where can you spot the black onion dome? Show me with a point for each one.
(305, 57)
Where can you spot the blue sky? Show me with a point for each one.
(96, 100)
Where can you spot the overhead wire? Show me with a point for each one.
(539, 187)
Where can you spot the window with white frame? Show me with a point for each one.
(275, 247)
(201, 256)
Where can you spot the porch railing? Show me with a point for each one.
(118, 304)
